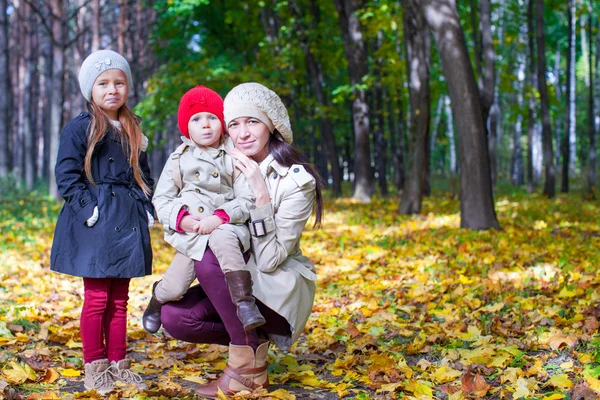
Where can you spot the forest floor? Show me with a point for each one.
(406, 307)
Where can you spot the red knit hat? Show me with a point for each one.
(199, 99)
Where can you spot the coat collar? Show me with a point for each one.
(212, 152)
(270, 164)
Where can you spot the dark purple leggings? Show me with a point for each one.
(206, 313)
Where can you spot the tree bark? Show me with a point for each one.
(95, 5)
(570, 99)
(516, 171)
(397, 139)
(354, 49)
(477, 204)
(5, 89)
(122, 26)
(58, 83)
(591, 167)
(533, 168)
(548, 153)
(418, 58)
(25, 108)
(379, 132)
(487, 79)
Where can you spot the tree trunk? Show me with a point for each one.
(5, 89)
(25, 108)
(591, 168)
(58, 83)
(46, 87)
(487, 79)
(354, 49)
(95, 25)
(516, 171)
(451, 140)
(477, 204)
(548, 153)
(533, 156)
(122, 26)
(315, 75)
(418, 57)
(570, 123)
(396, 124)
(379, 132)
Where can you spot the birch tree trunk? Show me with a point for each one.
(477, 204)
(354, 48)
(5, 89)
(418, 58)
(487, 79)
(95, 5)
(516, 172)
(25, 109)
(549, 189)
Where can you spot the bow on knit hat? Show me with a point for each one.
(196, 100)
(255, 100)
(98, 62)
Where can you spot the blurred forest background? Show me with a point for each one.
(384, 94)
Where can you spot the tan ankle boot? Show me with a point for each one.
(121, 371)
(246, 370)
(98, 377)
(240, 289)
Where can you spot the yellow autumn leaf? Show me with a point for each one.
(18, 374)
(521, 389)
(560, 381)
(444, 374)
(420, 389)
(282, 394)
(70, 373)
(554, 396)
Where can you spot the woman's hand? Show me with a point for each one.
(187, 223)
(208, 224)
(251, 171)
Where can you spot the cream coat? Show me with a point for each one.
(284, 279)
(208, 184)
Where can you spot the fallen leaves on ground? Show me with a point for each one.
(406, 307)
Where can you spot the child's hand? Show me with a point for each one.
(187, 223)
(208, 224)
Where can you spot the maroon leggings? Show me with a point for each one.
(206, 313)
(103, 321)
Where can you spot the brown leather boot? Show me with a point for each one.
(240, 288)
(151, 317)
(245, 371)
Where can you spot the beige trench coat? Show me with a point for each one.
(208, 184)
(284, 279)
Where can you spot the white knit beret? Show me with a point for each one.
(98, 62)
(255, 100)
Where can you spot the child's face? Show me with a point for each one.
(205, 129)
(110, 91)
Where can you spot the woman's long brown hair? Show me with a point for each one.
(287, 155)
(131, 140)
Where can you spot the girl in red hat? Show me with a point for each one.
(203, 201)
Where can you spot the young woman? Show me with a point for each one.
(286, 189)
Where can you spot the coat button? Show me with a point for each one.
(197, 174)
(110, 159)
(117, 229)
(296, 169)
(215, 174)
(220, 153)
(130, 195)
(274, 175)
(198, 191)
(82, 201)
(113, 194)
(135, 229)
(201, 209)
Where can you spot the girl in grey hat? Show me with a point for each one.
(287, 189)
(102, 233)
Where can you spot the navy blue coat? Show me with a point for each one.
(118, 245)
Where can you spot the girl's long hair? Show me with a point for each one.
(131, 140)
(287, 155)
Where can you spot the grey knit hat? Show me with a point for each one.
(255, 100)
(98, 62)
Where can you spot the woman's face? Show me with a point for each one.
(250, 136)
